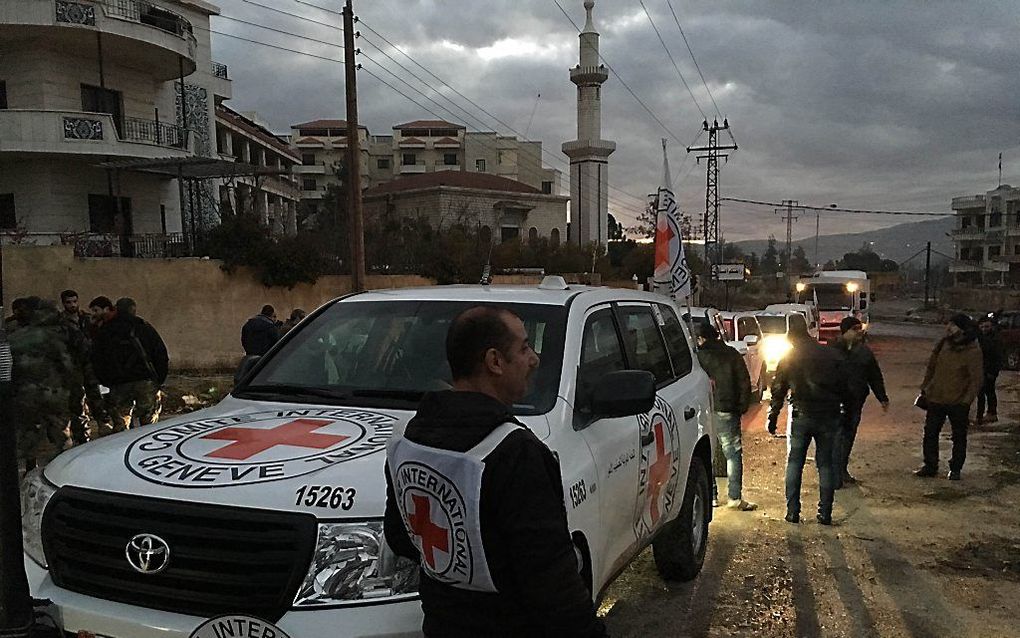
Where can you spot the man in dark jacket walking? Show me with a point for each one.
(477, 499)
(991, 356)
(260, 333)
(815, 378)
(130, 358)
(731, 390)
(864, 376)
(952, 381)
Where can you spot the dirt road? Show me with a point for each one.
(905, 557)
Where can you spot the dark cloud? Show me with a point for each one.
(872, 105)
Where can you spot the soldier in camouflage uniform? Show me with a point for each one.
(86, 400)
(47, 357)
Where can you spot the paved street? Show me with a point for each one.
(906, 556)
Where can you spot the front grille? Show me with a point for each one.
(223, 560)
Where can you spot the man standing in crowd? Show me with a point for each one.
(47, 358)
(102, 310)
(260, 333)
(525, 579)
(131, 359)
(815, 378)
(19, 315)
(731, 390)
(991, 356)
(952, 381)
(296, 316)
(72, 313)
(864, 377)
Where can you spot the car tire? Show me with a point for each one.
(1013, 360)
(679, 549)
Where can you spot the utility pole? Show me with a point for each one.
(927, 273)
(818, 223)
(713, 255)
(789, 219)
(356, 227)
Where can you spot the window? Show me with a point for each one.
(8, 219)
(308, 184)
(308, 159)
(95, 99)
(509, 233)
(103, 214)
(409, 159)
(747, 326)
(383, 163)
(450, 159)
(643, 343)
(679, 349)
(499, 158)
(995, 219)
(532, 235)
(994, 251)
(554, 237)
(3, 94)
(485, 235)
(601, 353)
(547, 188)
(798, 322)
(390, 353)
(480, 165)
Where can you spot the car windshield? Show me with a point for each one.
(393, 352)
(772, 324)
(830, 296)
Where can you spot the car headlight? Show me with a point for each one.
(353, 562)
(774, 348)
(36, 492)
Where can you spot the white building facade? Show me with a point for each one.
(986, 238)
(88, 83)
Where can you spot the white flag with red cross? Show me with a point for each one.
(671, 269)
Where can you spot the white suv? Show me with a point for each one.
(267, 508)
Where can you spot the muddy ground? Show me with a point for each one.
(906, 556)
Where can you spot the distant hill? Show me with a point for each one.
(898, 242)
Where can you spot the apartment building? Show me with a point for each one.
(272, 196)
(416, 148)
(986, 238)
(107, 121)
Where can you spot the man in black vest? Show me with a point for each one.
(522, 577)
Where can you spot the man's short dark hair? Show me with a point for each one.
(848, 324)
(19, 303)
(472, 333)
(268, 310)
(101, 302)
(126, 306)
(67, 294)
(708, 332)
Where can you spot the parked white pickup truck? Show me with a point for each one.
(265, 512)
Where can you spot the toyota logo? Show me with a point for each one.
(148, 553)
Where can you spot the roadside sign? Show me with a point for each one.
(728, 272)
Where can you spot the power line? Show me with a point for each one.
(286, 13)
(694, 59)
(836, 209)
(617, 76)
(273, 46)
(671, 59)
(315, 6)
(282, 32)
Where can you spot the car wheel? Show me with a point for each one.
(1013, 360)
(679, 549)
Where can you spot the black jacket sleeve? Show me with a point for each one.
(156, 351)
(393, 525)
(741, 381)
(100, 357)
(875, 379)
(533, 519)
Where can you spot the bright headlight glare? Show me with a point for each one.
(352, 563)
(774, 348)
(36, 492)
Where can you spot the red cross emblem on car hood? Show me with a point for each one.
(247, 442)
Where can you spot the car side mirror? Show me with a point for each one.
(245, 367)
(751, 340)
(623, 393)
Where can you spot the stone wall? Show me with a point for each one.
(981, 299)
(196, 306)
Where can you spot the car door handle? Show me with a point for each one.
(690, 413)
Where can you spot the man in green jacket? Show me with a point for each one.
(954, 376)
(731, 389)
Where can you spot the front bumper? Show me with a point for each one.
(75, 612)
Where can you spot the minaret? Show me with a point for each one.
(589, 153)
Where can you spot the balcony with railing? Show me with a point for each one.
(84, 133)
(412, 169)
(137, 33)
(220, 70)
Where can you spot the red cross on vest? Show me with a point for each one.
(658, 473)
(432, 536)
(247, 442)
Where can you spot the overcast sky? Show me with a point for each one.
(871, 105)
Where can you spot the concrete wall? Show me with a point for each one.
(196, 306)
(981, 299)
